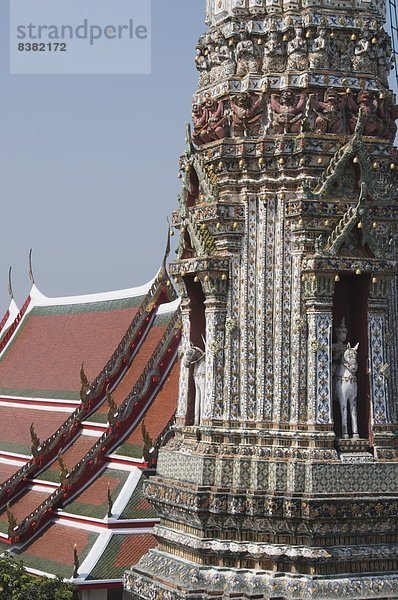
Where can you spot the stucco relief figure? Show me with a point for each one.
(363, 55)
(388, 112)
(214, 61)
(247, 114)
(383, 52)
(209, 121)
(335, 46)
(199, 135)
(340, 52)
(226, 58)
(246, 56)
(346, 390)
(274, 55)
(372, 125)
(297, 49)
(330, 112)
(319, 54)
(196, 357)
(288, 112)
(202, 65)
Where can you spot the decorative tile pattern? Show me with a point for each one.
(261, 307)
(184, 372)
(277, 340)
(268, 307)
(379, 385)
(243, 582)
(323, 369)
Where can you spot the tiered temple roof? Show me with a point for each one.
(77, 442)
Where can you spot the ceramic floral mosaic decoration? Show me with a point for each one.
(281, 480)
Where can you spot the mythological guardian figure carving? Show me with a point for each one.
(346, 390)
(209, 121)
(287, 112)
(373, 125)
(329, 112)
(196, 357)
(247, 113)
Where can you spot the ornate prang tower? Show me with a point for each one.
(287, 259)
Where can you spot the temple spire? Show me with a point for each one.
(287, 425)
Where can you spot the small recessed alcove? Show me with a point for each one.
(197, 333)
(350, 302)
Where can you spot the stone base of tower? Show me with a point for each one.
(161, 576)
(244, 519)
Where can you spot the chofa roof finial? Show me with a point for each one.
(10, 290)
(31, 276)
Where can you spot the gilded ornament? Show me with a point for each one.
(385, 370)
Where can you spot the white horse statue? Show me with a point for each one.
(346, 389)
(196, 356)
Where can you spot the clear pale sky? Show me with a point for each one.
(89, 164)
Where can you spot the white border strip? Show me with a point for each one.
(126, 493)
(15, 460)
(13, 310)
(39, 299)
(41, 573)
(58, 409)
(169, 307)
(36, 399)
(94, 555)
(92, 432)
(124, 467)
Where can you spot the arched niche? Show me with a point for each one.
(193, 188)
(197, 333)
(350, 301)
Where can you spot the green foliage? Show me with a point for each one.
(17, 584)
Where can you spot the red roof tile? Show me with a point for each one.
(52, 551)
(129, 379)
(132, 548)
(76, 451)
(25, 504)
(47, 353)
(16, 422)
(6, 471)
(97, 493)
(93, 502)
(160, 411)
